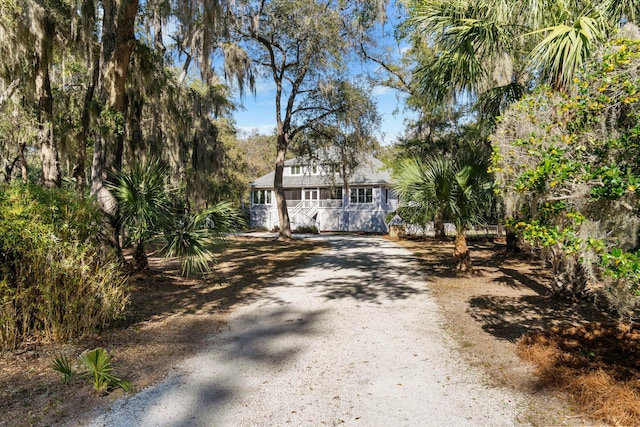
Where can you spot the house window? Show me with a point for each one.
(386, 196)
(296, 170)
(262, 197)
(314, 169)
(362, 195)
(293, 194)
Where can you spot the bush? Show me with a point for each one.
(55, 281)
(568, 166)
(98, 370)
(307, 229)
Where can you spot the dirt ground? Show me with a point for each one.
(504, 319)
(167, 320)
(169, 317)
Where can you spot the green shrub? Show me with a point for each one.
(307, 229)
(148, 209)
(55, 281)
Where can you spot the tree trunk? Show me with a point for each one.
(80, 168)
(24, 171)
(461, 253)
(140, 260)
(118, 42)
(281, 202)
(512, 240)
(8, 170)
(569, 276)
(438, 228)
(48, 147)
(134, 137)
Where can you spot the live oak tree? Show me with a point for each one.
(108, 86)
(346, 137)
(83, 74)
(304, 47)
(118, 42)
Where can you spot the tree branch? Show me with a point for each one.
(404, 85)
(8, 93)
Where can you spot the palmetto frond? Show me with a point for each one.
(426, 188)
(470, 39)
(457, 189)
(473, 190)
(99, 368)
(565, 48)
(623, 10)
(494, 101)
(221, 218)
(192, 244)
(62, 364)
(195, 236)
(145, 204)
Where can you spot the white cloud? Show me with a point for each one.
(261, 129)
(380, 90)
(265, 86)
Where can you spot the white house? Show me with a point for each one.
(315, 196)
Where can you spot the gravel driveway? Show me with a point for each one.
(350, 338)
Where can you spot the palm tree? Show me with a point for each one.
(443, 188)
(427, 188)
(145, 205)
(490, 53)
(473, 201)
(487, 44)
(148, 209)
(195, 237)
(470, 41)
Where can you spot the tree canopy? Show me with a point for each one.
(487, 54)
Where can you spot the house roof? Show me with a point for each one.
(370, 172)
